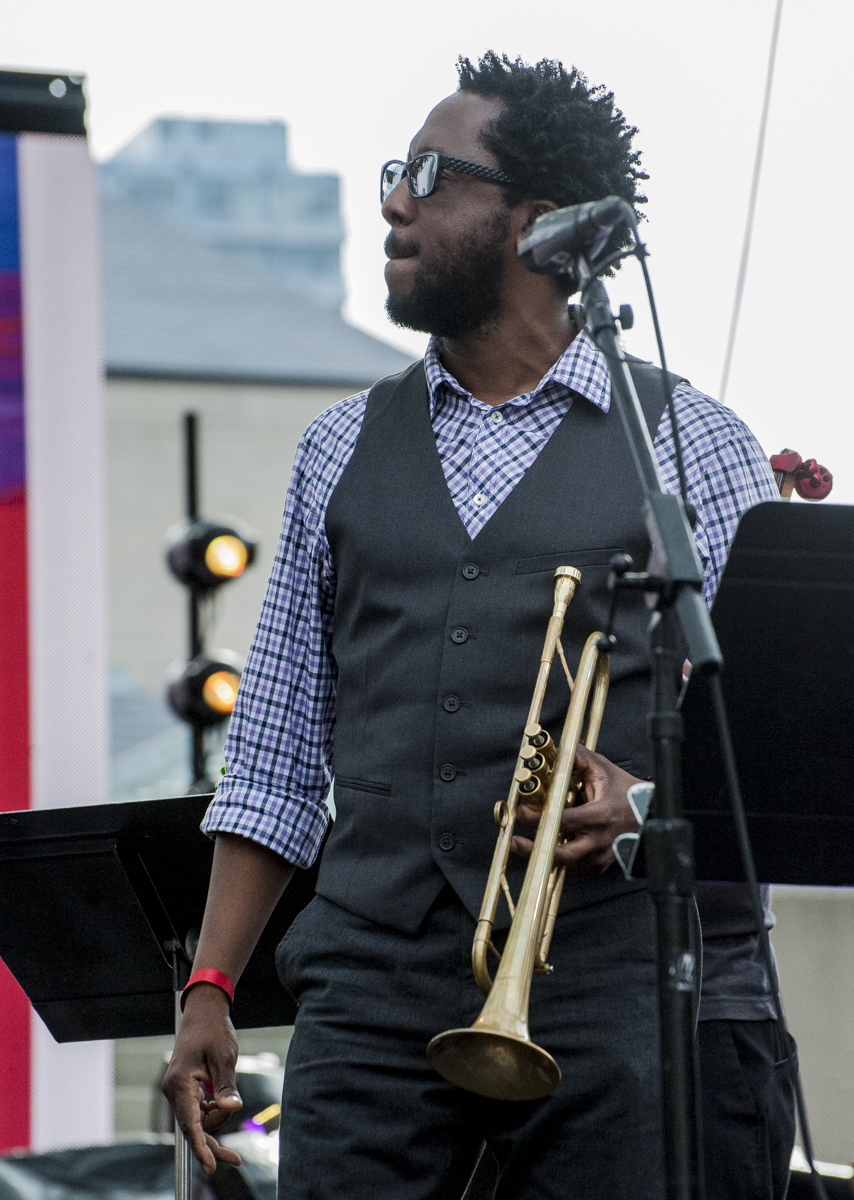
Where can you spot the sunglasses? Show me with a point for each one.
(424, 174)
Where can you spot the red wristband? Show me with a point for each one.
(209, 975)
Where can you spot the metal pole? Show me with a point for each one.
(198, 755)
(668, 837)
(183, 1153)
(191, 467)
(670, 860)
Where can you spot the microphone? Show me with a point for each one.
(557, 238)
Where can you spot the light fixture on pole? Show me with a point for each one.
(204, 555)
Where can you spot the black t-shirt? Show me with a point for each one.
(735, 983)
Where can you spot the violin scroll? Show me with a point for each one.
(805, 476)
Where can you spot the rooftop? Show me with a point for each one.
(178, 307)
(222, 261)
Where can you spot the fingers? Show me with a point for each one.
(187, 1106)
(615, 814)
(216, 1113)
(589, 829)
(205, 1057)
(226, 1099)
(223, 1153)
(587, 854)
(594, 771)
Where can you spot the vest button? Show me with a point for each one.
(446, 841)
(471, 571)
(451, 703)
(460, 635)
(447, 772)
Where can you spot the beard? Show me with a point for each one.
(462, 295)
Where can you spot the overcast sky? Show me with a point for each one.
(355, 81)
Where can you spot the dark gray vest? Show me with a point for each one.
(437, 638)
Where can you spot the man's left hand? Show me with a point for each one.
(590, 828)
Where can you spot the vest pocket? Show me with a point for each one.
(567, 558)
(363, 785)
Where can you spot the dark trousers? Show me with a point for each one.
(748, 1110)
(748, 1116)
(365, 1118)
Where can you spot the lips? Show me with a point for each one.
(395, 248)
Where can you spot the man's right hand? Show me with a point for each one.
(199, 1082)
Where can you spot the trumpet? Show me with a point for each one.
(496, 1057)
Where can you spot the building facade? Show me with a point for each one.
(230, 310)
(230, 184)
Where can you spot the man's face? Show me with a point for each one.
(448, 252)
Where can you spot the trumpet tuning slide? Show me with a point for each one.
(500, 1066)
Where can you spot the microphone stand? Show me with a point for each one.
(667, 836)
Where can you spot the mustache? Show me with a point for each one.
(395, 248)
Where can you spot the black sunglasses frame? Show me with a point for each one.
(443, 163)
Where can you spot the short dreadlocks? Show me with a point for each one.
(558, 137)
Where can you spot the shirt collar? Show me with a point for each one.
(581, 370)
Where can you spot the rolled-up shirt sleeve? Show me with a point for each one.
(279, 749)
(726, 473)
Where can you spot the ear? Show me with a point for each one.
(532, 209)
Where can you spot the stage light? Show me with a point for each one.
(220, 691)
(227, 556)
(203, 691)
(205, 554)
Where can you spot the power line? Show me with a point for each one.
(751, 204)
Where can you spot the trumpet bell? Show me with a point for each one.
(501, 1066)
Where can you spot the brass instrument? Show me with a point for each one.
(495, 1057)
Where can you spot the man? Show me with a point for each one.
(404, 616)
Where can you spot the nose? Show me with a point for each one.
(398, 206)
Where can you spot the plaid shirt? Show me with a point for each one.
(279, 748)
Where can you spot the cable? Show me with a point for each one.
(751, 205)
(640, 253)
(746, 854)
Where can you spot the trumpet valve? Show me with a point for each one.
(538, 743)
(539, 738)
(528, 781)
(537, 760)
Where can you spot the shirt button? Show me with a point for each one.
(446, 841)
(479, 499)
(451, 703)
(447, 772)
(459, 636)
(470, 571)
(496, 416)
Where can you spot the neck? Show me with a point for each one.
(512, 355)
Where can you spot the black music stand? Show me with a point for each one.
(98, 906)
(784, 615)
